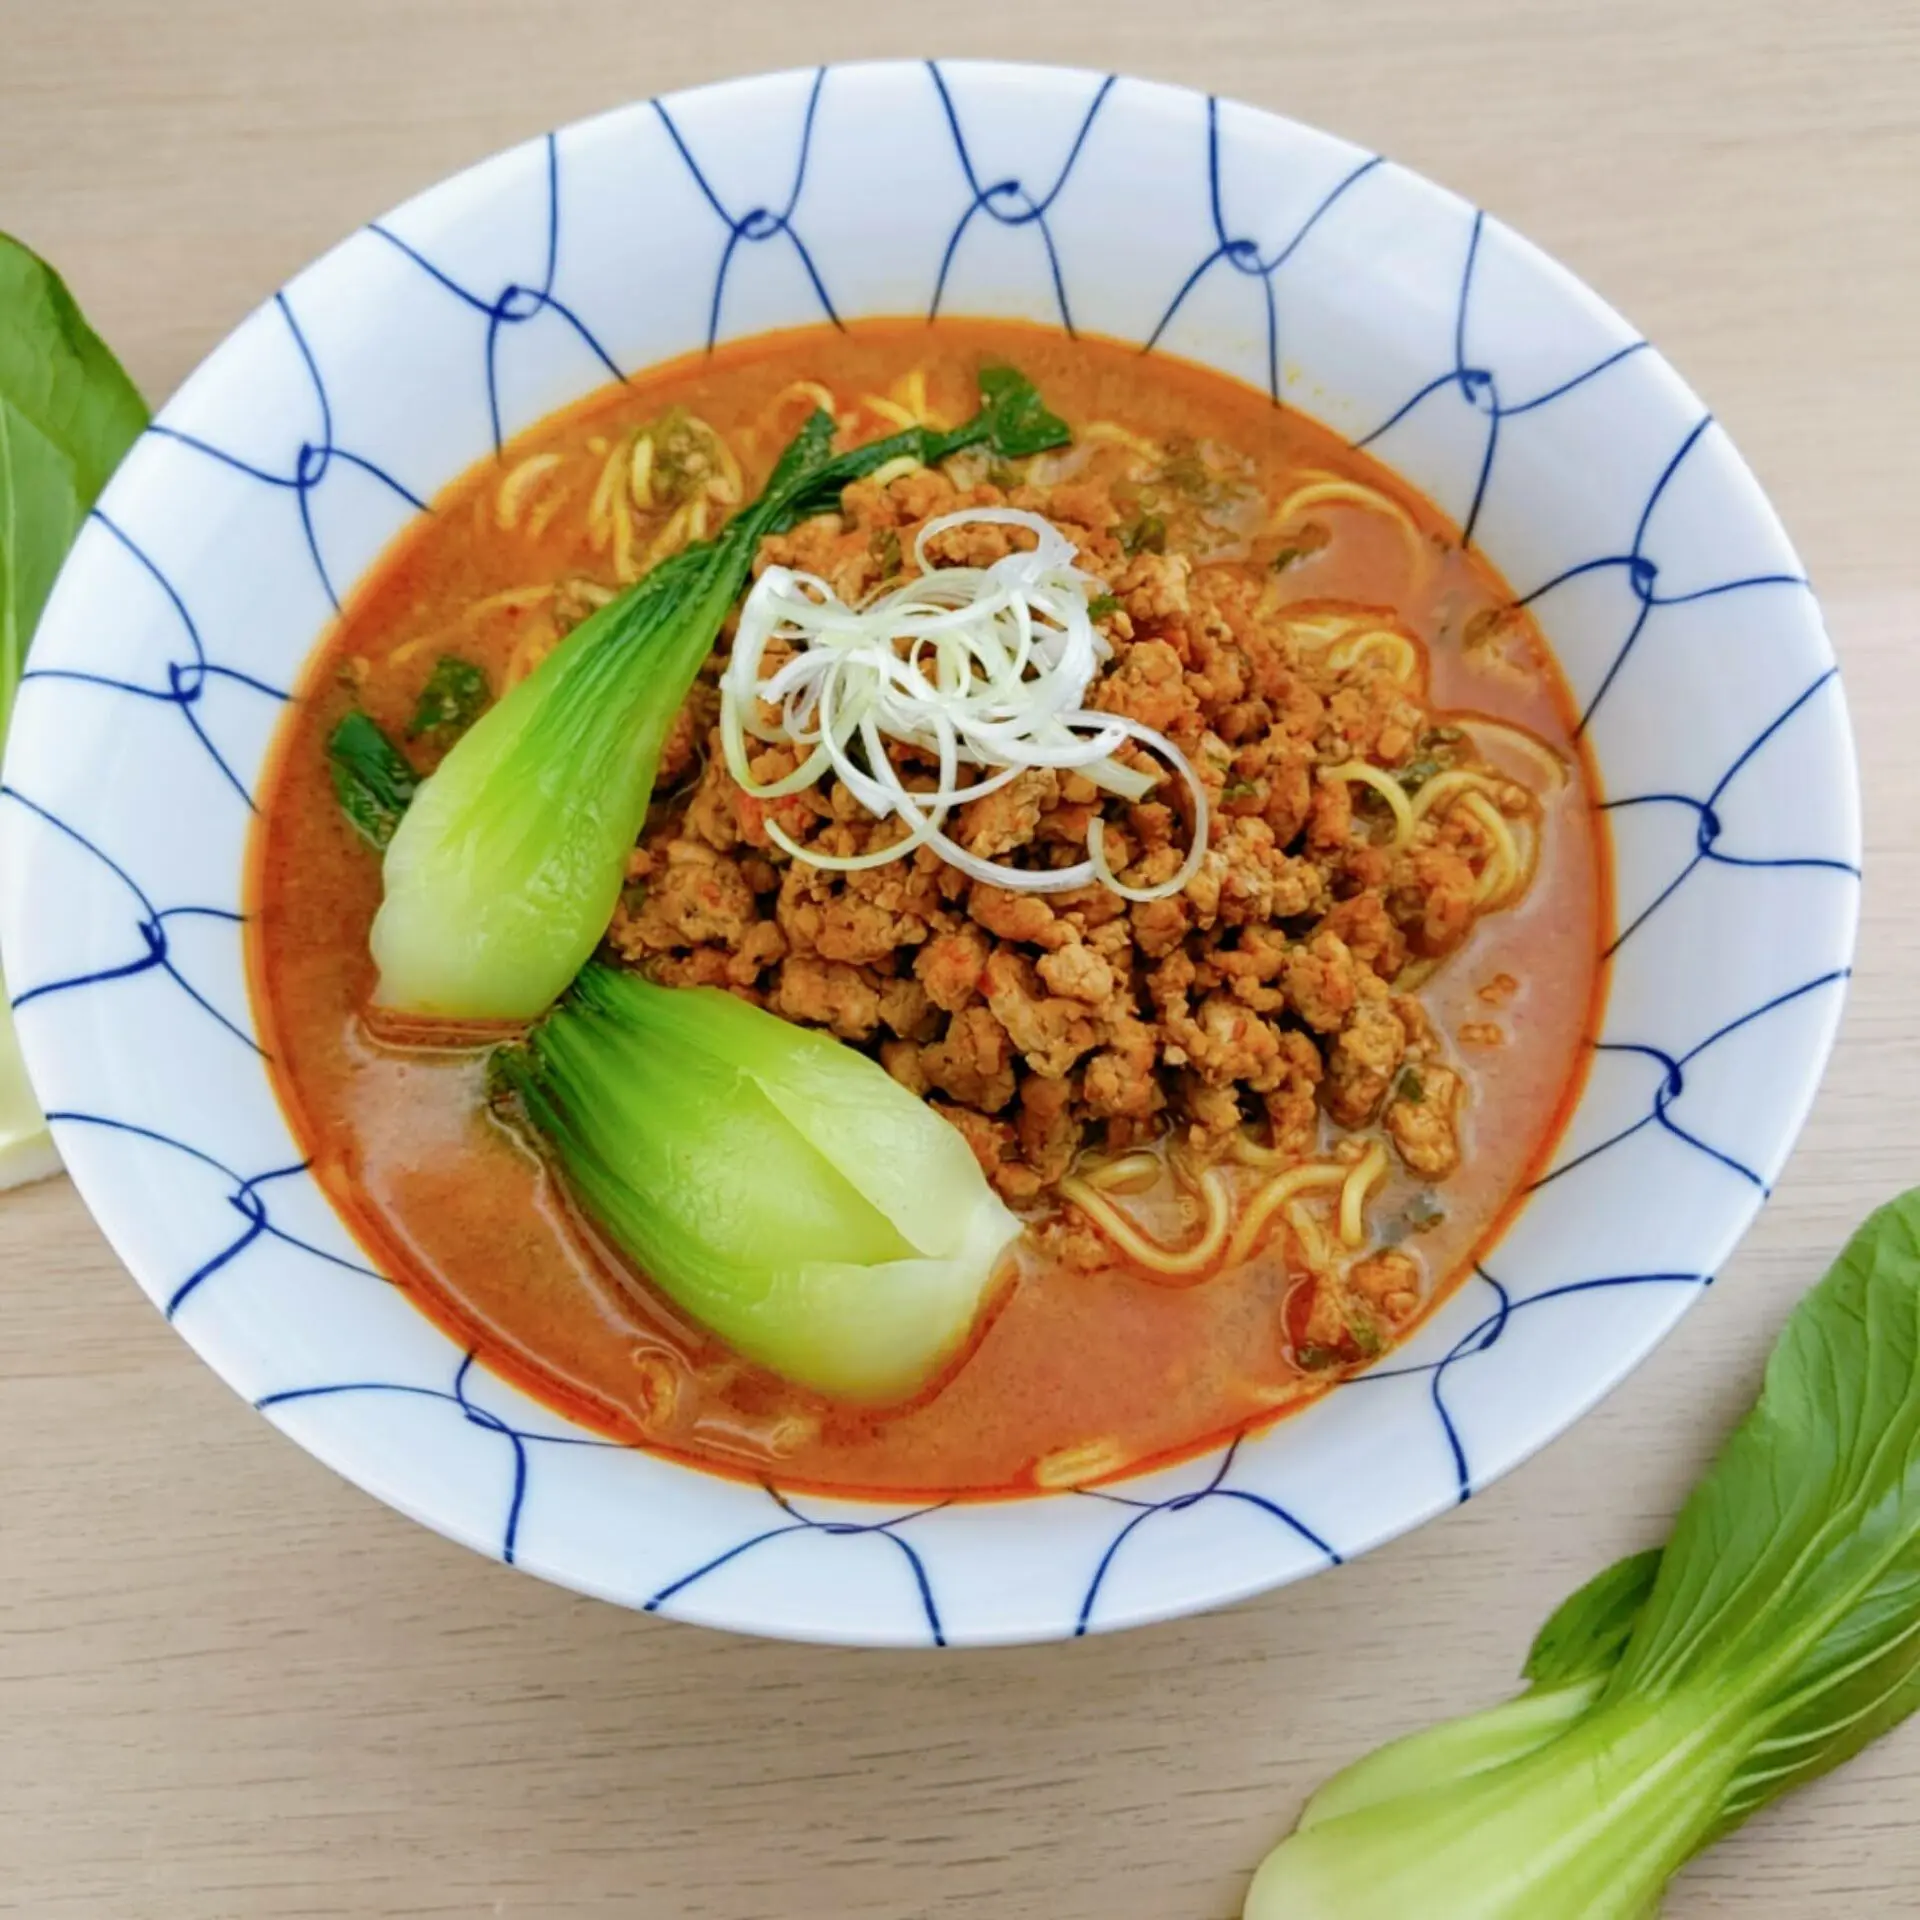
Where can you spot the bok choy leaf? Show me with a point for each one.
(1680, 1691)
(68, 413)
(502, 877)
(781, 1188)
(455, 696)
(372, 779)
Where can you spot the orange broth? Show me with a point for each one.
(465, 1216)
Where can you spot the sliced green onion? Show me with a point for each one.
(983, 667)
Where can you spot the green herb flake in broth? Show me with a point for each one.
(372, 779)
(683, 455)
(1366, 1336)
(455, 696)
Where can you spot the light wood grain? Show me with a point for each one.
(231, 1688)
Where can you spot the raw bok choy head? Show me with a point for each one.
(502, 877)
(1676, 1693)
(783, 1189)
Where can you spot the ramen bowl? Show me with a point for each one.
(1327, 280)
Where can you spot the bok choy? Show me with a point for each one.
(373, 780)
(781, 1188)
(68, 413)
(1680, 1691)
(503, 875)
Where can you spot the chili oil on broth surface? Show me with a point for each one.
(1075, 1373)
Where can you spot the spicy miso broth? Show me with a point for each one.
(1253, 1125)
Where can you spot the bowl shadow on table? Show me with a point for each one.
(1133, 1774)
(325, 1694)
(415, 1698)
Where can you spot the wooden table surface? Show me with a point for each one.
(230, 1685)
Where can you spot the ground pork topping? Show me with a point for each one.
(1264, 1000)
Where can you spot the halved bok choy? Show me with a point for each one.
(781, 1188)
(504, 873)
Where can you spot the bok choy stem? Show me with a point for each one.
(783, 1189)
(503, 875)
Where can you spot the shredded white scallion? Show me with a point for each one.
(977, 667)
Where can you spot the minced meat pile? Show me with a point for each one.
(1259, 997)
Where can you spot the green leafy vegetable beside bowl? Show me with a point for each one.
(68, 413)
(1681, 1690)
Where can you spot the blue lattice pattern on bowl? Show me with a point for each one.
(1327, 279)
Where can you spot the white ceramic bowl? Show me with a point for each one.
(1338, 283)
